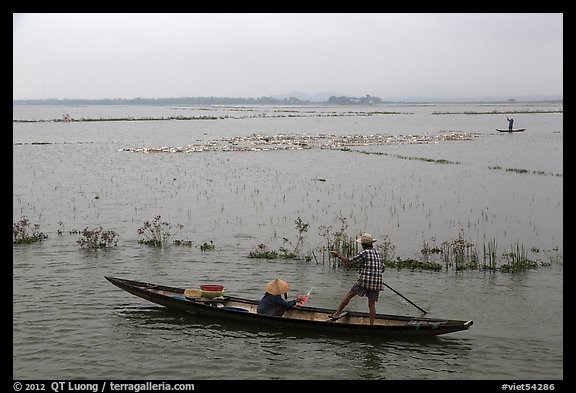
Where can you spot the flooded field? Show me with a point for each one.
(415, 176)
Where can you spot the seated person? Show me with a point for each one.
(272, 302)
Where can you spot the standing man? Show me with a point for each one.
(510, 123)
(369, 281)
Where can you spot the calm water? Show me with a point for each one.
(69, 322)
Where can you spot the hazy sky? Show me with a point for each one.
(264, 54)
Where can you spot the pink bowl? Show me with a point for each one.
(211, 287)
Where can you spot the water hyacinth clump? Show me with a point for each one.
(24, 232)
(206, 246)
(97, 238)
(156, 233)
(413, 264)
(339, 241)
(262, 251)
(460, 253)
(517, 260)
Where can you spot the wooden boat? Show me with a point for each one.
(302, 317)
(514, 130)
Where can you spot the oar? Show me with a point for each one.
(403, 297)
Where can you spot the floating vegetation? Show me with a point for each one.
(262, 250)
(459, 254)
(187, 243)
(273, 112)
(54, 143)
(131, 118)
(517, 260)
(60, 231)
(386, 248)
(97, 238)
(489, 255)
(262, 142)
(33, 143)
(496, 112)
(413, 264)
(207, 246)
(24, 232)
(520, 170)
(432, 160)
(338, 241)
(301, 227)
(156, 233)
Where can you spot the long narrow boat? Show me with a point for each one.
(302, 317)
(514, 130)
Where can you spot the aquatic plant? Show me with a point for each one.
(207, 246)
(496, 112)
(344, 243)
(489, 260)
(386, 248)
(286, 254)
(402, 157)
(61, 230)
(517, 170)
(517, 260)
(24, 232)
(183, 242)
(130, 118)
(156, 233)
(97, 238)
(524, 171)
(301, 227)
(460, 253)
(426, 251)
(260, 142)
(263, 252)
(412, 264)
(32, 143)
(554, 256)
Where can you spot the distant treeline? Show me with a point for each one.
(185, 101)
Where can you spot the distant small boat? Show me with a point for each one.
(507, 130)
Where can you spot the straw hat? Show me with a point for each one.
(366, 238)
(277, 287)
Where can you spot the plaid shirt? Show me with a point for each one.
(371, 266)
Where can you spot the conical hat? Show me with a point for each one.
(277, 287)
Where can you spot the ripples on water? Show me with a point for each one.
(69, 322)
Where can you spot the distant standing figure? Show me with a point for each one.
(510, 124)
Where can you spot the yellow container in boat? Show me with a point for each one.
(192, 293)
